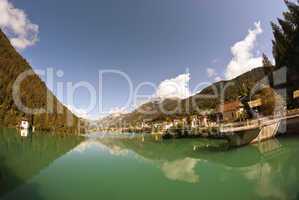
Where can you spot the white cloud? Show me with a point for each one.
(243, 57)
(15, 23)
(177, 87)
(217, 78)
(211, 72)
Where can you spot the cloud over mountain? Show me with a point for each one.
(243, 57)
(177, 87)
(211, 72)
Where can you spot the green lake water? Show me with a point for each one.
(102, 167)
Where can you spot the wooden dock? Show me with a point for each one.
(255, 131)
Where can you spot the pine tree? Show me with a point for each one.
(266, 61)
(286, 47)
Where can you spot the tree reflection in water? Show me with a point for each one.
(23, 158)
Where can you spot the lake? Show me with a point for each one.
(126, 168)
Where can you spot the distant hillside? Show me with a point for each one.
(234, 88)
(152, 111)
(33, 94)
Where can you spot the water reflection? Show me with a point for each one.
(24, 132)
(181, 170)
(22, 158)
(127, 168)
(269, 170)
(96, 144)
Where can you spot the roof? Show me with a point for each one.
(255, 103)
(229, 106)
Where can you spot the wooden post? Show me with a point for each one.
(260, 127)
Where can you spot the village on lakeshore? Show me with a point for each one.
(228, 117)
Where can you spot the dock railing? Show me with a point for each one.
(256, 123)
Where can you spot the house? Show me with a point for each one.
(157, 125)
(204, 121)
(146, 124)
(195, 122)
(167, 125)
(176, 122)
(184, 121)
(24, 124)
(199, 121)
(181, 121)
(231, 110)
(24, 128)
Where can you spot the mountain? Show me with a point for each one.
(33, 94)
(155, 110)
(233, 89)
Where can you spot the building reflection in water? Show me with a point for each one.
(24, 132)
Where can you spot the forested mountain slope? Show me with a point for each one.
(33, 93)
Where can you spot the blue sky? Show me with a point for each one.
(149, 40)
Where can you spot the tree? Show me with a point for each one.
(268, 65)
(266, 61)
(272, 102)
(286, 48)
